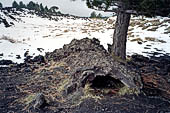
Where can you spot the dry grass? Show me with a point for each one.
(130, 34)
(111, 27)
(128, 91)
(150, 39)
(144, 26)
(62, 85)
(65, 31)
(51, 67)
(27, 100)
(58, 34)
(153, 28)
(46, 36)
(155, 22)
(131, 29)
(89, 93)
(166, 21)
(97, 94)
(164, 25)
(110, 21)
(136, 40)
(9, 39)
(133, 23)
(85, 31)
(154, 40)
(167, 30)
(51, 88)
(162, 41)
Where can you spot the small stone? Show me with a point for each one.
(139, 42)
(26, 53)
(6, 62)
(39, 101)
(147, 48)
(40, 49)
(1, 54)
(168, 80)
(18, 57)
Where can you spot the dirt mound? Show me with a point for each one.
(80, 77)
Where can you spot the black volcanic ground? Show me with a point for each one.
(68, 80)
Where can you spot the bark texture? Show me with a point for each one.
(120, 35)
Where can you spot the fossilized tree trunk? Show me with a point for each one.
(120, 35)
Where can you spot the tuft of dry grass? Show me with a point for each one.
(167, 30)
(131, 29)
(154, 40)
(65, 31)
(46, 36)
(150, 39)
(133, 23)
(128, 91)
(27, 100)
(89, 93)
(153, 28)
(9, 39)
(166, 21)
(162, 41)
(58, 35)
(155, 22)
(62, 85)
(110, 21)
(136, 40)
(144, 26)
(130, 33)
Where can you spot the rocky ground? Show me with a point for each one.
(83, 77)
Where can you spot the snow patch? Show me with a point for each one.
(33, 32)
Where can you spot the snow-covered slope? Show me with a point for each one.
(29, 32)
(149, 35)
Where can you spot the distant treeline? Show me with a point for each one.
(1, 6)
(94, 15)
(34, 6)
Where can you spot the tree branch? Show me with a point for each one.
(131, 12)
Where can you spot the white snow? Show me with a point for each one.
(159, 35)
(30, 32)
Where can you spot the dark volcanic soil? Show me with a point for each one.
(83, 77)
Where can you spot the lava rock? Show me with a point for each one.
(1, 54)
(39, 59)
(109, 48)
(139, 58)
(18, 57)
(40, 49)
(26, 53)
(6, 23)
(39, 101)
(6, 62)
